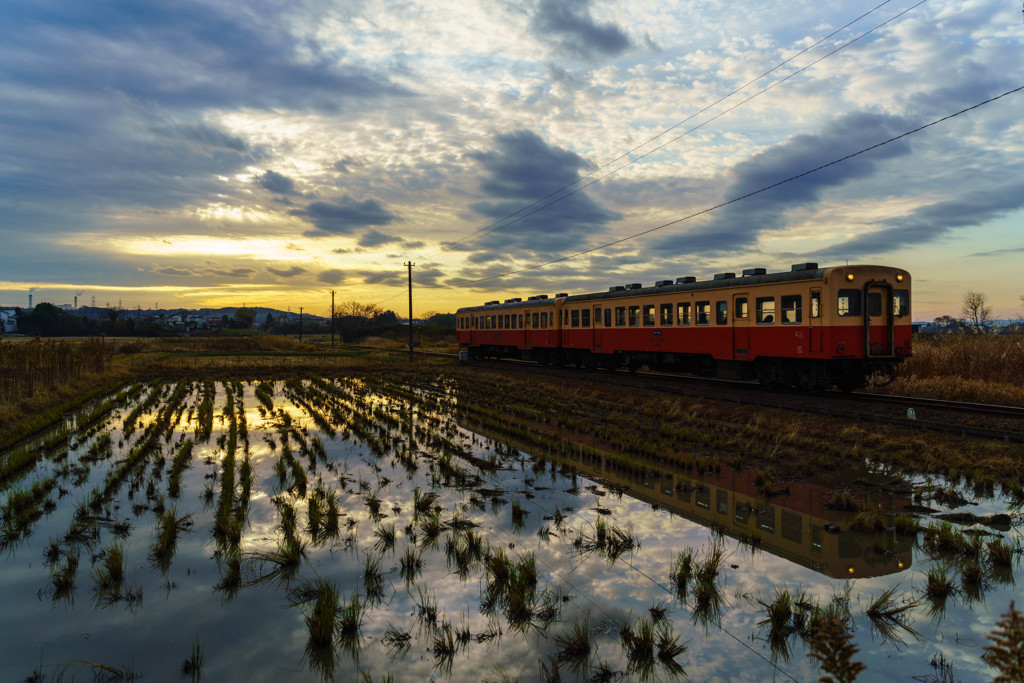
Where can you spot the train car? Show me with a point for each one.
(811, 327)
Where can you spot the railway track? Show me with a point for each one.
(1002, 423)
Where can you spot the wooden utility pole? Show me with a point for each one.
(300, 324)
(332, 318)
(409, 265)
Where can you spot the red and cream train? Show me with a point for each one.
(811, 327)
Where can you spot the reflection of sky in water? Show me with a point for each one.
(258, 635)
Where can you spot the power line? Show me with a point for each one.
(519, 215)
(730, 201)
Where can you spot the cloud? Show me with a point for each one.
(332, 276)
(275, 182)
(521, 170)
(739, 225)
(170, 270)
(344, 216)
(568, 24)
(288, 272)
(373, 238)
(233, 272)
(933, 221)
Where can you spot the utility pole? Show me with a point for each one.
(409, 265)
(300, 324)
(332, 318)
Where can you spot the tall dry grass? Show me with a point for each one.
(965, 367)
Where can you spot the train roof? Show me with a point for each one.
(751, 276)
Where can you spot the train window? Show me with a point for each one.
(792, 525)
(766, 519)
(666, 315)
(848, 303)
(742, 512)
(816, 538)
(508, 322)
(585, 317)
(634, 316)
(901, 303)
(536, 321)
(620, 316)
(607, 317)
(764, 310)
(494, 322)
(741, 308)
(597, 316)
(520, 321)
(703, 497)
(649, 315)
(792, 309)
(721, 312)
(683, 314)
(816, 304)
(575, 317)
(874, 303)
(544, 321)
(722, 501)
(702, 311)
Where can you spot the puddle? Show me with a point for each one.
(321, 528)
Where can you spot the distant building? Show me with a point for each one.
(8, 321)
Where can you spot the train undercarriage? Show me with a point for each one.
(846, 374)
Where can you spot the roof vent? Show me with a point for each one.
(662, 283)
(559, 296)
(491, 303)
(635, 285)
(685, 280)
(542, 297)
(617, 288)
(747, 272)
(804, 266)
(724, 276)
(516, 300)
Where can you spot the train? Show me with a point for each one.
(810, 327)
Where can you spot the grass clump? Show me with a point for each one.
(833, 648)
(1006, 653)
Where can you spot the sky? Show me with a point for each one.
(205, 153)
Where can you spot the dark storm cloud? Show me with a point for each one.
(275, 182)
(568, 24)
(288, 272)
(934, 221)
(521, 170)
(738, 225)
(344, 216)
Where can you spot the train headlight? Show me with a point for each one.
(899, 277)
(850, 570)
(849, 277)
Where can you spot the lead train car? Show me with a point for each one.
(812, 327)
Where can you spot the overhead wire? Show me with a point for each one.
(497, 224)
(517, 218)
(729, 201)
(557, 194)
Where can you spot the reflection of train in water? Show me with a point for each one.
(796, 526)
(812, 327)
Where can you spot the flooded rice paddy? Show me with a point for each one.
(358, 529)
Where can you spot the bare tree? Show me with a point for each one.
(948, 323)
(976, 309)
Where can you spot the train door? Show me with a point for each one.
(878, 319)
(740, 325)
(815, 321)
